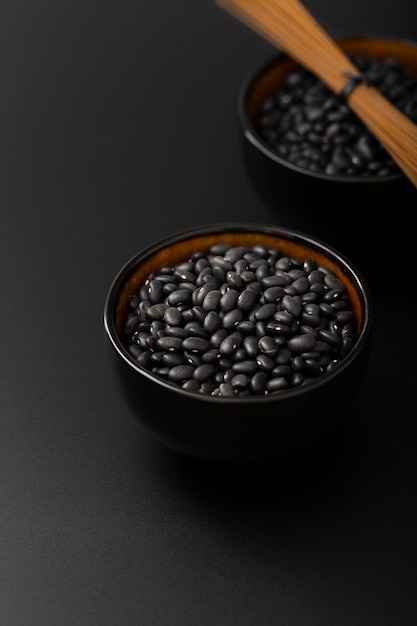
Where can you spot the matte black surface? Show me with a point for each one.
(118, 126)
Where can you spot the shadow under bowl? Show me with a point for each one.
(253, 427)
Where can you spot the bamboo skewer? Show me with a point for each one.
(288, 25)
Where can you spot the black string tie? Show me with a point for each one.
(355, 79)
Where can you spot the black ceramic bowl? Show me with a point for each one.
(252, 427)
(339, 208)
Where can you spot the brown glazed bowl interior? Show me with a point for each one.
(327, 206)
(241, 429)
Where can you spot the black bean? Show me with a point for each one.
(234, 280)
(179, 296)
(316, 276)
(228, 300)
(131, 324)
(173, 316)
(246, 300)
(278, 383)
(250, 344)
(265, 362)
(195, 344)
(260, 329)
(279, 279)
(246, 327)
(342, 317)
(144, 358)
(230, 344)
(235, 253)
(312, 354)
(283, 356)
(156, 328)
(255, 286)
(176, 331)
(232, 318)
(240, 381)
(220, 248)
(280, 371)
(301, 343)
(312, 368)
(169, 343)
(333, 339)
(258, 382)
(284, 317)
(319, 289)
(218, 336)
(187, 314)
(292, 304)
(226, 390)
(309, 297)
(332, 282)
(248, 277)
(297, 379)
(211, 300)
(268, 345)
(207, 387)
(311, 316)
(157, 357)
(277, 328)
(265, 311)
(185, 274)
(135, 350)
(326, 309)
(210, 356)
(200, 293)
(309, 330)
(179, 373)
(239, 355)
(225, 364)
(241, 266)
(156, 311)
(283, 264)
(245, 367)
(262, 270)
(199, 313)
(346, 347)
(169, 287)
(204, 371)
(211, 322)
(195, 329)
(155, 291)
(332, 295)
(151, 342)
(322, 347)
(273, 294)
(191, 385)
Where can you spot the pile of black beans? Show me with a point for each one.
(240, 320)
(309, 126)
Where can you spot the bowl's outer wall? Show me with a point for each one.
(337, 212)
(240, 430)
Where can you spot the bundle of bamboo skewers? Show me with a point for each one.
(288, 25)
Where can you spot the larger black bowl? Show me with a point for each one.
(344, 210)
(253, 427)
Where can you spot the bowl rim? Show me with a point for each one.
(254, 138)
(354, 274)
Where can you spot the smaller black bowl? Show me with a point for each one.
(240, 428)
(344, 210)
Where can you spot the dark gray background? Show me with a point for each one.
(118, 126)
